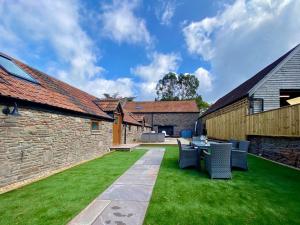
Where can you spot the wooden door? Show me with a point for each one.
(117, 129)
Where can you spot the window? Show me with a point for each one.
(129, 127)
(289, 97)
(256, 105)
(137, 128)
(95, 125)
(15, 70)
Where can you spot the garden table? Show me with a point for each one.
(202, 144)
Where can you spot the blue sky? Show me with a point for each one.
(127, 46)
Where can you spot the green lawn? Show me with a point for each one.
(267, 194)
(57, 199)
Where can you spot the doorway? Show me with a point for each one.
(117, 126)
(168, 129)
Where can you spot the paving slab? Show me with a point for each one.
(145, 167)
(127, 192)
(140, 179)
(90, 213)
(142, 171)
(125, 202)
(123, 213)
(152, 162)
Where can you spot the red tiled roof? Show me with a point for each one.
(242, 90)
(138, 117)
(162, 106)
(108, 105)
(49, 91)
(129, 118)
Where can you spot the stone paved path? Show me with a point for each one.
(125, 202)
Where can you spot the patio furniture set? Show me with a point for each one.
(219, 157)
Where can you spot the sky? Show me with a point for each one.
(126, 46)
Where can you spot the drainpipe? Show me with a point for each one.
(152, 121)
(125, 133)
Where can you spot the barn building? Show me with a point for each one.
(170, 116)
(264, 109)
(47, 125)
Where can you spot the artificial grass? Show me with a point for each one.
(266, 194)
(57, 199)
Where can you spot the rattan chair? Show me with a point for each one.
(188, 156)
(239, 156)
(218, 160)
(235, 143)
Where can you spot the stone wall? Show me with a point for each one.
(133, 134)
(281, 149)
(39, 141)
(180, 121)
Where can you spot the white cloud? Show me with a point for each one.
(160, 64)
(205, 80)
(150, 74)
(197, 37)
(122, 25)
(165, 12)
(54, 23)
(54, 26)
(123, 86)
(242, 38)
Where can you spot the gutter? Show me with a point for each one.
(51, 108)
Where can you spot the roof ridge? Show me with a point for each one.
(186, 100)
(108, 100)
(130, 114)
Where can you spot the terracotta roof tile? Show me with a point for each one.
(139, 118)
(129, 118)
(108, 105)
(162, 106)
(49, 91)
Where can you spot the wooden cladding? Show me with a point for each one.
(284, 121)
(237, 124)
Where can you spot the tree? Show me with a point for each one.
(117, 96)
(167, 88)
(188, 85)
(201, 104)
(173, 87)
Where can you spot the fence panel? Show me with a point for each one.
(228, 125)
(237, 124)
(278, 122)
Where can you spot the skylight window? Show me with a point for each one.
(15, 70)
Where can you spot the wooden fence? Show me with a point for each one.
(237, 124)
(284, 121)
(228, 125)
